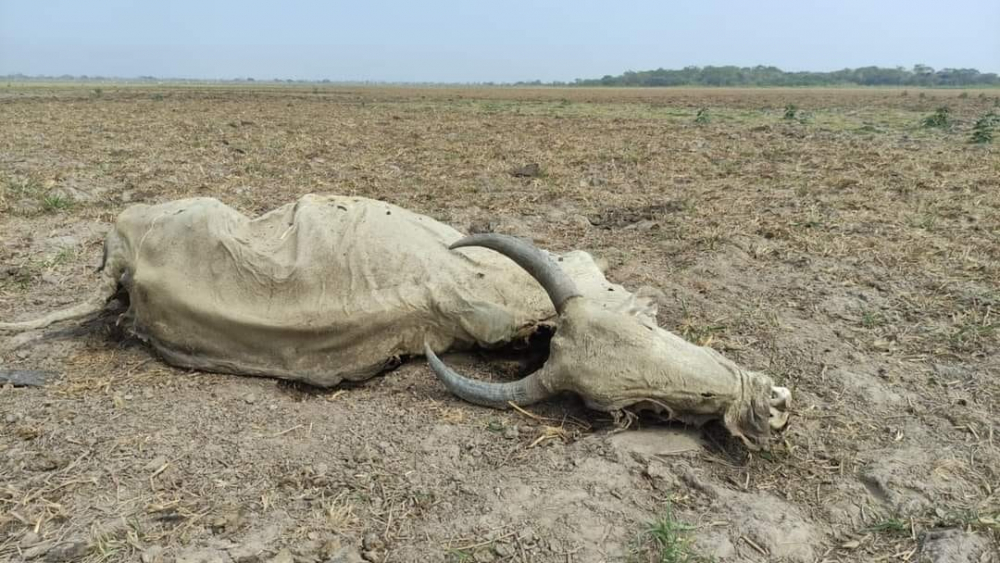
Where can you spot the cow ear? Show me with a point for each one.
(487, 323)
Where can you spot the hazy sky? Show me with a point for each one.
(468, 41)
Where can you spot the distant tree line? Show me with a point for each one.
(919, 75)
(20, 77)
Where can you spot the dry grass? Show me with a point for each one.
(852, 254)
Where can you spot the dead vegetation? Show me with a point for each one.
(852, 253)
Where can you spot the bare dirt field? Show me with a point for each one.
(844, 249)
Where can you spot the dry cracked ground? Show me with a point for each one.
(838, 245)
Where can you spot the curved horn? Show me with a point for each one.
(497, 395)
(553, 280)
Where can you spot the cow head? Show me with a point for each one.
(616, 360)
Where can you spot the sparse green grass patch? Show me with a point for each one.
(939, 119)
(56, 202)
(460, 556)
(667, 540)
(982, 131)
(896, 526)
(872, 319)
(22, 187)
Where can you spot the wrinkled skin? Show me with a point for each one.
(322, 290)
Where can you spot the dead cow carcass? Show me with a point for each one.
(332, 288)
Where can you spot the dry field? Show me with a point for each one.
(849, 252)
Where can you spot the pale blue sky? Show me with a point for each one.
(467, 41)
